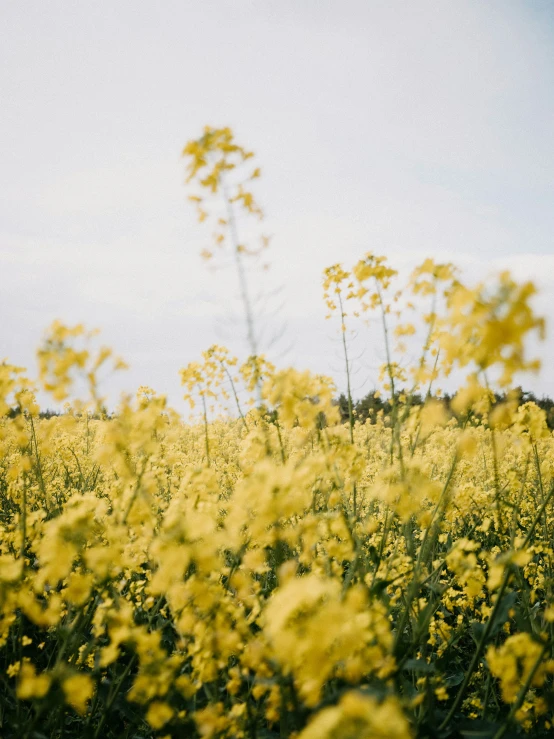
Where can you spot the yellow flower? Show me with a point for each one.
(158, 714)
(316, 634)
(301, 398)
(30, 685)
(488, 327)
(512, 664)
(78, 588)
(359, 717)
(78, 690)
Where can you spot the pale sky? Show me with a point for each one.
(411, 129)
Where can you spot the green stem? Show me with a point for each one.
(477, 653)
(521, 695)
(347, 367)
(135, 492)
(114, 693)
(113, 696)
(237, 253)
(37, 456)
(206, 435)
(395, 426)
(233, 388)
(23, 521)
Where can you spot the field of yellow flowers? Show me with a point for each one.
(275, 572)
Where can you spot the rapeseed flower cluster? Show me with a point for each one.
(272, 572)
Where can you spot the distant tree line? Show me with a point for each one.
(372, 404)
(52, 413)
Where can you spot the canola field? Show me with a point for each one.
(273, 571)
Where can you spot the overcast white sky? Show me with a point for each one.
(406, 128)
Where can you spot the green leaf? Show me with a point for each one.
(418, 665)
(453, 680)
(379, 586)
